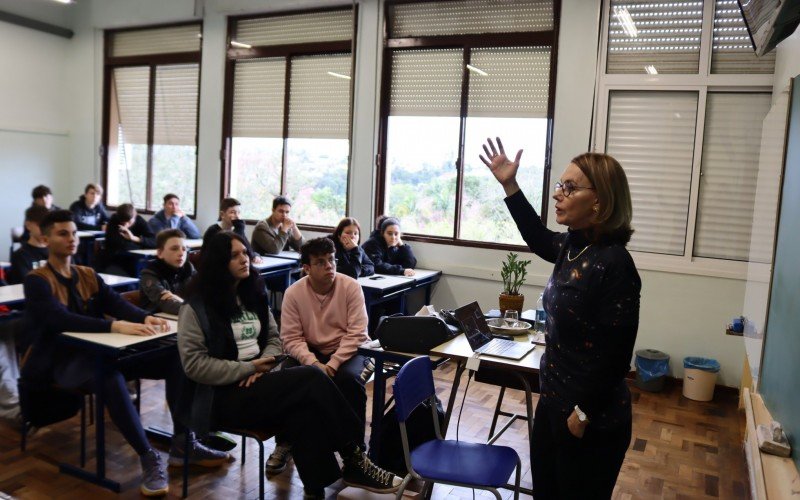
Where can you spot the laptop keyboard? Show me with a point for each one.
(499, 346)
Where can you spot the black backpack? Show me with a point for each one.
(419, 427)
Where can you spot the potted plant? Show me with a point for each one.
(513, 273)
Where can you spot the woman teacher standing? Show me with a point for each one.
(582, 426)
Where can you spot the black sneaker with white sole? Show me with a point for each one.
(360, 472)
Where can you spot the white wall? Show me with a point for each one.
(681, 314)
(34, 122)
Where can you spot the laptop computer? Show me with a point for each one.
(480, 339)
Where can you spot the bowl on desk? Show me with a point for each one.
(499, 325)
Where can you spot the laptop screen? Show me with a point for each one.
(473, 324)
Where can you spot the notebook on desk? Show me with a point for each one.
(475, 328)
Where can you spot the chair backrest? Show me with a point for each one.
(133, 296)
(413, 385)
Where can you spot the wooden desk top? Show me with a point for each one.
(119, 340)
(458, 348)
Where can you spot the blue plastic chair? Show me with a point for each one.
(471, 465)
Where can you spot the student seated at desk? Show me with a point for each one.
(323, 321)
(63, 297)
(33, 250)
(228, 339)
(230, 211)
(278, 231)
(172, 217)
(88, 212)
(41, 196)
(389, 253)
(163, 282)
(126, 230)
(350, 258)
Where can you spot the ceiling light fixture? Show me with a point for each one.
(65, 1)
(651, 70)
(240, 45)
(339, 75)
(477, 70)
(625, 19)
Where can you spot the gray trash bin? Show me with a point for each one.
(652, 367)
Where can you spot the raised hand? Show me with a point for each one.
(503, 169)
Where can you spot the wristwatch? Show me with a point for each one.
(582, 418)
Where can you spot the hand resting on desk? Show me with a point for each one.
(151, 326)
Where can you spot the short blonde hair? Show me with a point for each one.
(612, 221)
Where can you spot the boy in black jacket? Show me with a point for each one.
(88, 212)
(126, 230)
(164, 280)
(33, 250)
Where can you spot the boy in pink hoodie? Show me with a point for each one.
(323, 321)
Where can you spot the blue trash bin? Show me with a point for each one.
(652, 367)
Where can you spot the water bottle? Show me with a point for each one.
(540, 323)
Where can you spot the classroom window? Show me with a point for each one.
(150, 142)
(287, 125)
(455, 79)
(689, 141)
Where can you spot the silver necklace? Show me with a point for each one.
(572, 259)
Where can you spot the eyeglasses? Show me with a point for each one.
(567, 188)
(324, 263)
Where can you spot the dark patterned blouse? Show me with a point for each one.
(592, 305)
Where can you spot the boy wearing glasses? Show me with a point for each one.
(323, 321)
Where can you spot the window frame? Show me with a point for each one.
(288, 51)
(152, 61)
(466, 43)
(702, 82)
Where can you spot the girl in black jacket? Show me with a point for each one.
(389, 253)
(351, 259)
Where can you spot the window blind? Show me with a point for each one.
(296, 28)
(175, 107)
(258, 96)
(470, 17)
(426, 82)
(646, 36)
(131, 87)
(156, 41)
(319, 96)
(731, 143)
(652, 135)
(732, 51)
(509, 82)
